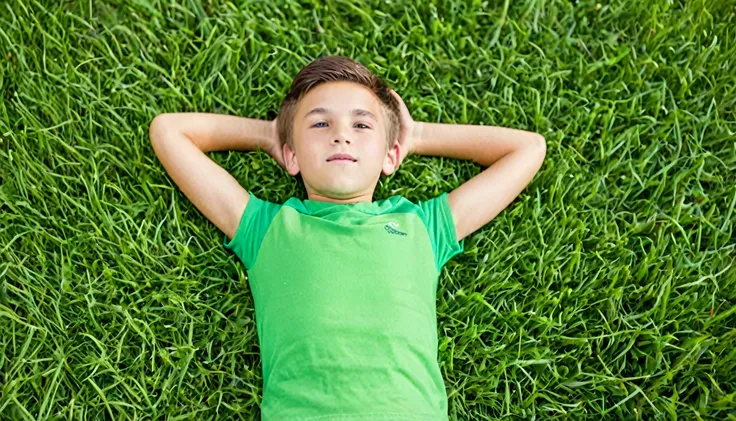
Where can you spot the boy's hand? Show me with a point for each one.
(273, 147)
(410, 133)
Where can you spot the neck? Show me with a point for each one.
(366, 197)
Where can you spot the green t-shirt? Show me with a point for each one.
(345, 306)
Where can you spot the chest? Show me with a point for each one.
(330, 269)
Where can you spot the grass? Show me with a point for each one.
(606, 290)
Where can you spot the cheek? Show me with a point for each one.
(308, 144)
(378, 148)
(305, 138)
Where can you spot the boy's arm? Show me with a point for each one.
(513, 157)
(180, 141)
(516, 156)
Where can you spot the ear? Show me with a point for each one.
(392, 160)
(290, 161)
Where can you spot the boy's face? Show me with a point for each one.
(340, 118)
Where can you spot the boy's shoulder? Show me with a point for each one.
(393, 214)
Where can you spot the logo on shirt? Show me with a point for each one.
(392, 228)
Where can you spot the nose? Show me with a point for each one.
(340, 138)
(340, 131)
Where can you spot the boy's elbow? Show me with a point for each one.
(536, 149)
(539, 143)
(159, 126)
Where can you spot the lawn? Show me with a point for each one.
(607, 290)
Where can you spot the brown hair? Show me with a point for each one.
(336, 69)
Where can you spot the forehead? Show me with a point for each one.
(340, 98)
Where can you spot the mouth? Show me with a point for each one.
(341, 158)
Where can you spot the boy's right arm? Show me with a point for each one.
(180, 141)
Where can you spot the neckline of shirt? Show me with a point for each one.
(373, 208)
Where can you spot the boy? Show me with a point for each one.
(344, 287)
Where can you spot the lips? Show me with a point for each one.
(341, 157)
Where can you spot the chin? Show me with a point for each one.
(343, 190)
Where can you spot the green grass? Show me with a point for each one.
(606, 290)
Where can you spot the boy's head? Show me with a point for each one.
(337, 106)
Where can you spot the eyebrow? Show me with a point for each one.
(358, 112)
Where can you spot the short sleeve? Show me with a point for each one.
(254, 224)
(437, 217)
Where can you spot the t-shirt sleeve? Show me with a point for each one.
(251, 230)
(441, 227)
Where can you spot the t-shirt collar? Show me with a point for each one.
(319, 208)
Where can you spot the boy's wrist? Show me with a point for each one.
(416, 137)
(265, 135)
(271, 136)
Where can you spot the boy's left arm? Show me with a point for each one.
(512, 156)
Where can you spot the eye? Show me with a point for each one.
(364, 126)
(317, 124)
